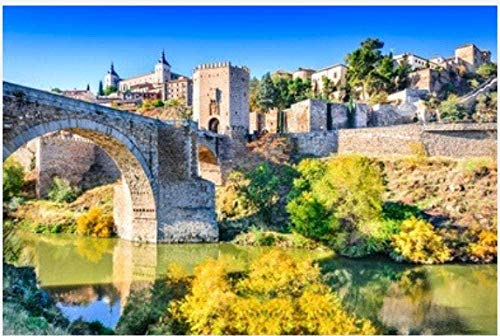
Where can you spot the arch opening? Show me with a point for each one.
(208, 165)
(134, 201)
(213, 125)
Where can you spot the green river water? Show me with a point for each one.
(92, 278)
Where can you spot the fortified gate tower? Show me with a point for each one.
(220, 98)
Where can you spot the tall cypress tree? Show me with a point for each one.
(267, 95)
(100, 92)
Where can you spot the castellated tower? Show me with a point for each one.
(220, 98)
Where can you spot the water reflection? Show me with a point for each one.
(95, 279)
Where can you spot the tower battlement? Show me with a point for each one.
(216, 65)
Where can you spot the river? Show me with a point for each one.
(92, 278)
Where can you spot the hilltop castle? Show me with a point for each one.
(161, 83)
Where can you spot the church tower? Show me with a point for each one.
(111, 79)
(162, 69)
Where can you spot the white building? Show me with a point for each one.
(335, 73)
(416, 62)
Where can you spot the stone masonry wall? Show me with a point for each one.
(75, 159)
(314, 143)
(298, 117)
(66, 158)
(452, 140)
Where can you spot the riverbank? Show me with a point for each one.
(104, 278)
(46, 216)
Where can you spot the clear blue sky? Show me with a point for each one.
(68, 47)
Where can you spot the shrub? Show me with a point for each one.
(158, 103)
(487, 70)
(13, 179)
(293, 300)
(486, 107)
(231, 201)
(451, 110)
(263, 189)
(379, 98)
(399, 211)
(351, 189)
(62, 191)
(418, 242)
(484, 249)
(95, 223)
(337, 202)
(309, 217)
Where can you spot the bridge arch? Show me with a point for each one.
(161, 198)
(134, 199)
(208, 165)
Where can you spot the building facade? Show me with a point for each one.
(220, 98)
(472, 56)
(335, 73)
(303, 73)
(161, 83)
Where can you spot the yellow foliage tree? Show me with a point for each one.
(485, 248)
(419, 243)
(279, 296)
(95, 223)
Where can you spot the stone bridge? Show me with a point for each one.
(162, 197)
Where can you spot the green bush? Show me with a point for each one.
(351, 189)
(399, 211)
(451, 110)
(158, 103)
(13, 179)
(263, 190)
(61, 191)
(309, 217)
(340, 203)
(487, 70)
(486, 107)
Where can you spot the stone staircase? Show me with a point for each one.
(469, 99)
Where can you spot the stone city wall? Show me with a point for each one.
(314, 143)
(452, 140)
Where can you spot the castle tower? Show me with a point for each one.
(162, 69)
(220, 98)
(111, 79)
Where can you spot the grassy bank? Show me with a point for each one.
(45, 216)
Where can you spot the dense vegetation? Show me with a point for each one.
(360, 206)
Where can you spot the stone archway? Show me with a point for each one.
(134, 201)
(208, 165)
(213, 125)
